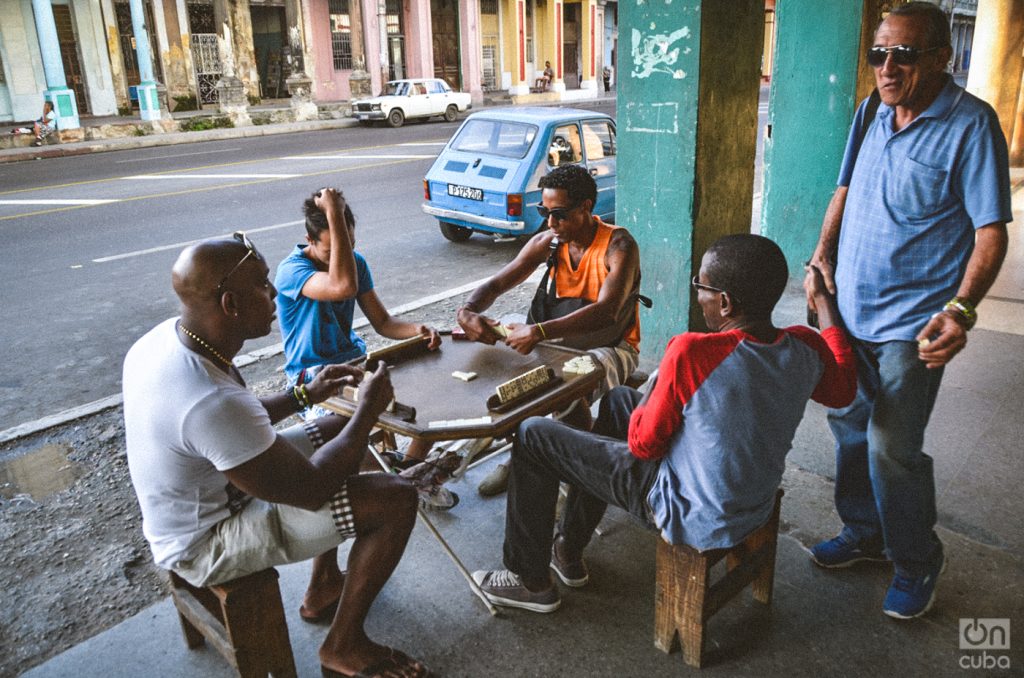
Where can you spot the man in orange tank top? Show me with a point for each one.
(594, 261)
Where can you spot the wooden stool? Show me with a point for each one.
(685, 598)
(242, 618)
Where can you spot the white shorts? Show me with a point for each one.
(264, 534)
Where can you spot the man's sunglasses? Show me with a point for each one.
(902, 55)
(244, 239)
(698, 285)
(559, 213)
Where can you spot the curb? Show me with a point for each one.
(170, 139)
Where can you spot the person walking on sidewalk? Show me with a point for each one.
(224, 495)
(700, 456)
(912, 240)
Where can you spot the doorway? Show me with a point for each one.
(571, 47)
(268, 39)
(444, 19)
(69, 56)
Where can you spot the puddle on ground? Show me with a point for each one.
(38, 473)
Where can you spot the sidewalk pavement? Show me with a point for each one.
(820, 622)
(122, 129)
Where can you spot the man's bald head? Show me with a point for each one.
(200, 268)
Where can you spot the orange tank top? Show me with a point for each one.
(586, 280)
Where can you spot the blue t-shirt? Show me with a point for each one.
(915, 197)
(315, 332)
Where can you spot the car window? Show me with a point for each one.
(565, 147)
(437, 87)
(495, 137)
(598, 139)
(398, 89)
(420, 88)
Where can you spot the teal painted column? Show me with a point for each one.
(688, 79)
(149, 101)
(811, 106)
(57, 90)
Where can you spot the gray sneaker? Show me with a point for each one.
(504, 587)
(572, 573)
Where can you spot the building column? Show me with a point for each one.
(419, 46)
(589, 67)
(997, 67)
(231, 94)
(556, 23)
(472, 49)
(810, 109)
(684, 178)
(149, 100)
(57, 91)
(116, 57)
(514, 39)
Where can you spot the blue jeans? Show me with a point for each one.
(599, 469)
(885, 486)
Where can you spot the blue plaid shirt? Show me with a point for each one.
(915, 197)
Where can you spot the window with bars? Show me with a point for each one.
(488, 6)
(341, 34)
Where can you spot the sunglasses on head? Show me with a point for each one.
(241, 237)
(559, 213)
(902, 55)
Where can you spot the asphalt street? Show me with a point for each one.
(89, 241)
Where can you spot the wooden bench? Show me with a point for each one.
(243, 619)
(685, 598)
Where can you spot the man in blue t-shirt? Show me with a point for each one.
(319, 284)
(912, 240)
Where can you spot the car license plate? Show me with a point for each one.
(465, 192)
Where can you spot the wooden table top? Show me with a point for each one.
(425, 383)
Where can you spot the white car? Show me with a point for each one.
(413, 98)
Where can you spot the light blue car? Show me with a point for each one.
(485, 179)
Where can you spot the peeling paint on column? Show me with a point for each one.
(657, 52)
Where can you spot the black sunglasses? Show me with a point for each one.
(241, 237)
(559, 213)
(902, 55)
(698, 285)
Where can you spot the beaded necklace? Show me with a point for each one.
(195, 337)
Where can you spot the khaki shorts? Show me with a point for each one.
(264, 534)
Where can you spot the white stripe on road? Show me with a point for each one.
(68, 201)
(175, 155)
(356, 157)
(213, 176)
(186, 243)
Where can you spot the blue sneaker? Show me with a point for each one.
(839, 552)
(909, 596)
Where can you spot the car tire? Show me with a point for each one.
(455, 233)
(451, 113)
(396, 118)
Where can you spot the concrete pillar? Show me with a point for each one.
(997, 65)
(472, 50)
(685, 174)
(231, 94)
(57, 90)
(589, 38)
(116, 57)
(811, 106)
(514, 39)
(149, 101)
(556, 19)
(175, 56)
(419, 47)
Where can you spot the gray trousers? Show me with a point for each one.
(597, 466)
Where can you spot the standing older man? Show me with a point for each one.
(224, 495)
(919, 223)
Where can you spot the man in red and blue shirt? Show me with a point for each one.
(700, 456)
